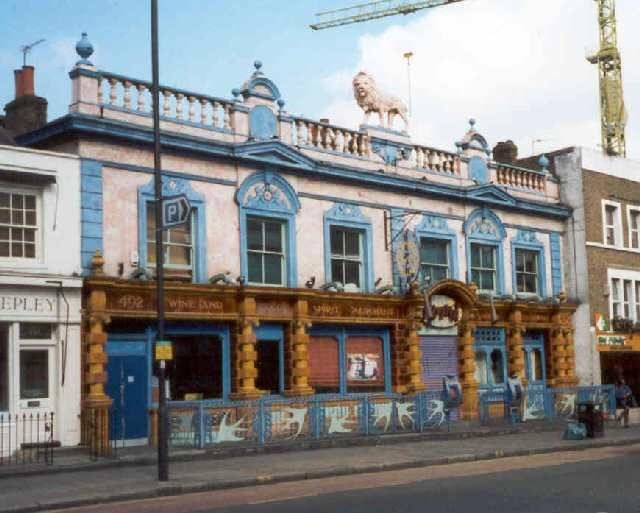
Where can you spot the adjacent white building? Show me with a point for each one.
(40, 288)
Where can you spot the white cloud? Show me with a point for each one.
(519, 68)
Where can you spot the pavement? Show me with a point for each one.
(133, 477)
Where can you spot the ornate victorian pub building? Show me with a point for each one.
(299, 272)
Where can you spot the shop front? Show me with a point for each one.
(39, 362)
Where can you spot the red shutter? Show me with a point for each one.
(323, 362)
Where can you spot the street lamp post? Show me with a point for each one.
(163, 442)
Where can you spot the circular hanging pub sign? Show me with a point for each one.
(442, 312)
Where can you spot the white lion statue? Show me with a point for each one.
(370, 99)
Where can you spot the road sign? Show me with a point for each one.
(175, 210)
(164, 350)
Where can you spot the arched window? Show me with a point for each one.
(497, 366)
(481, 368)
(485, 234)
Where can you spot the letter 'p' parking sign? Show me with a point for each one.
(175, 210)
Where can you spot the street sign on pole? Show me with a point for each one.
(175, 210)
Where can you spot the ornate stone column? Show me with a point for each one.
(467, 369)
(515, 346)
(569, 357)
(245, 355)
(398, 360)
(413, 353)
(557, 357)
(96, 403)
(298, 352)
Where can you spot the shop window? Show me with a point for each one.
(266, 251)
(365, 364)
(483, 266)
(634, 228)
(481, 368)
(346, 256)
(34, 373)
(497, 367)
(177, 246)
(197, 368)
(526, 271)
(535, 365)
(19, 225)
(616, 307)
(611, 223)
(268, 366)
(324, 364)
(434, 259)
(4, 368)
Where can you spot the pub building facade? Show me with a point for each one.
(301, 272)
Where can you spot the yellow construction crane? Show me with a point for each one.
(612, 111)
(613, 116)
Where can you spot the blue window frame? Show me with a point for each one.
(268, 200)
(528, 264)
(270, 349)
(438, 249)
(348, 253)
(490, 358)
(535, 357)
(341, 335)
(190, 241)
(485, 234)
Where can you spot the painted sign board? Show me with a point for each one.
(442, 312)
(164, 350)
(175, 210)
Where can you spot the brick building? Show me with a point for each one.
(603, 243)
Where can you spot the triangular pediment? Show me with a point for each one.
(491, 194)
(273, 152)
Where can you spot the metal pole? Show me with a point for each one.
(408, 56)
(163, 442)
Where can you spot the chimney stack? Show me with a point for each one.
(505, 152)
(27, 111)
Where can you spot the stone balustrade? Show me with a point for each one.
(436, 160)
(520, 178)
(133, 95)
(324, 136)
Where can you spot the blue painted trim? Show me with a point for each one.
(261, 80)
(556, 263)
(267, 195)
(275, 333)
(436, 227)
(146, 193)
(348, 215)
(340, 333)
(262, 123)
(527, 239)
(488, 345)
(534, 340)
(91, 211)
(172, 141)
(484, 227)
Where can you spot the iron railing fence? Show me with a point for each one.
(27, 438)
(540, 403)
(275, 420)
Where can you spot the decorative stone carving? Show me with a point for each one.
(370, 99)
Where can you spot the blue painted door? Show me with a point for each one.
(127, 386)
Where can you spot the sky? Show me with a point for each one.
(517, 67)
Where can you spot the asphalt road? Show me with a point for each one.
(592, 481)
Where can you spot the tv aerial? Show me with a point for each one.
(25, 49)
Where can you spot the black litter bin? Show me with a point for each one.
(590, 414)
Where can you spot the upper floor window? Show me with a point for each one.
(634, 228)
(526, 271)
(266, 261)
(483, 266)
(612, 223)
(434, 259)
(346, 255)
(177, 243)
(18, 225)
(624, 294)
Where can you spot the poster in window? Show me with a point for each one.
(362, 367)
(365, 362)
